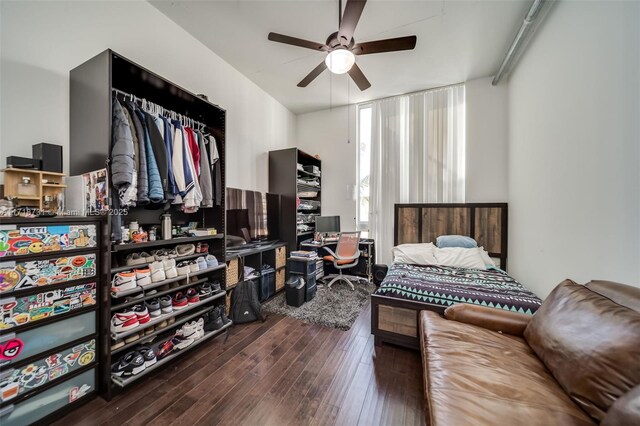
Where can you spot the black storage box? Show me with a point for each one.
(295, 291)
(267, 283)
(23, 163)
(50, 155)
(310, 288)
(301, 266)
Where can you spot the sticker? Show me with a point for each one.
(86, 358)
(53, 360)
(71, 358)
(8, 390)
(11, 349)
(39, 239)
(59, 371)
(75, 392)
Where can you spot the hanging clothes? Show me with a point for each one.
(217, 170)
(159, 150)
(122, 170)
(168, 142)
(132, 192)
(156, 193)
(205, 173)
(193, 198)
(194, 150)
(181, 170)
(142, 196)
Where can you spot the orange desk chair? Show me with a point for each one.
(346, 257)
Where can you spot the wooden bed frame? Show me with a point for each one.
(396, 320)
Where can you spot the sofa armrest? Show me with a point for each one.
(494, 319)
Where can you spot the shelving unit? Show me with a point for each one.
(92, 87)
(13, 177)
(286, 177)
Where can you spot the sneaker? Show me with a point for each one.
(132, 338)
(223, 314)
(157, 272)
(153, 306)
(188, 331)
(129, 365)
(212, 320)
(172, 253)
(216, 288)
(193, 266)
(202, 263)
(171, 320)
(183, 268)
(192, 296)
(123, 321)
(211, 260)
(149, 330)
(200, 327)
(181, 342)
(143, 276)
(185, 249)
(202, 248)
(166, 305)
(165, 349)
(134, 298)
(123, 281)
(170, 268)
(205, 291)
(179, 301)
(134, 259)
(148, 355)
(142, 313)
(163, 324)
(160, 254)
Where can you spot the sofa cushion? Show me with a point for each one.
(590, 343)
(476, 376)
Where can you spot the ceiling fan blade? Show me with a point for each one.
(352, 12)
(358, 77)
(382, 46)
(313, 74)
(281, 38)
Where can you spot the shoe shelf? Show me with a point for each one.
(142, 265)
(125, 381)
(157, 320)
(157, 294)
(159, 243)
(119, 294)
(146, 337)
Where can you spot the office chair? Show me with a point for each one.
(346, 256)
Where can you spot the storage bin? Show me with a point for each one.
(25, 240)
(45, 403)
(267, 283)
(281, 257)
(299, 266)
(232, 272)
(280, 278)
(310, 288)
(41, 339)
(295, 291)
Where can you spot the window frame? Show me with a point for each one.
(360, 224)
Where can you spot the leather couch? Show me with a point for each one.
(575, 362)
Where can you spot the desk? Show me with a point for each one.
(365, 264)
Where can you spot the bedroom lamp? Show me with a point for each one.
(340, 61)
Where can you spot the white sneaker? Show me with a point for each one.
(200, 327)
(123, 321)
(188, 331)
(157, 272)
(170, 268)
(123, 281)
(183, 268)
(193, 266)
(143, 276)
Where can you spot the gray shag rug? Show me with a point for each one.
(337, 307)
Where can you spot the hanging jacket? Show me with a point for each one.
(192, 198)
(206, 184)
(195, 150)
(168, 142)
(217, 170)
(142, 197)
(181, 171)
(122, 171)
(132, 191)
(159, 149)
(156, 194)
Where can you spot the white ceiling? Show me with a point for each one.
(457, 41)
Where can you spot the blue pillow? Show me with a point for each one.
(455, 241)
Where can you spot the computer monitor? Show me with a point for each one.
(328, 224)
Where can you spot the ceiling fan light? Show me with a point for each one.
(340, 61)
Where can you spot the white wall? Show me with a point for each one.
(574, 156)
(42, 41)
(325, 133)
(332, 135)
(487, 134)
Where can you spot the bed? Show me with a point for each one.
(408, 289)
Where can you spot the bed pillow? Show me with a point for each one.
(458, 257)
(455, 241)
(488, 261)
(415, 254)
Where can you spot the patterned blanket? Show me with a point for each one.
(446, 286)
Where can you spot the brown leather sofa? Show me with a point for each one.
(575, 362)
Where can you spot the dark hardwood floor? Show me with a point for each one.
(279, 372)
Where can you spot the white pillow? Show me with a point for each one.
(415, 254)
(488, 261)
(459, 257)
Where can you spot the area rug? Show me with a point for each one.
(337, 307)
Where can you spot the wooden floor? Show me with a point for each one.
(279, 372)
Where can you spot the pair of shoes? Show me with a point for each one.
(174, 344)
(202, 263)
(209, 289)
(216, 318)
(182, 300)
(192, 330)
(202, 248)
(211, 261)
(153, 306)
(124, 281)
(164, 254)
(185, 249)
(189, 266)
(134, 362)
(134, 259)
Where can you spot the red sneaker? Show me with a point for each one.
(179, 301)
(192, 296)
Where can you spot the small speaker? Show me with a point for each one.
(23, 163)
(50, 155)
(379, 272)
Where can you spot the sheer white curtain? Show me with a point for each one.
(417, 156)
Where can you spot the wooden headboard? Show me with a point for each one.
(484, 222)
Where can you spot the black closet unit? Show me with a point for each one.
(300, 202)
(92, 85)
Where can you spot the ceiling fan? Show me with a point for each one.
(341, 48)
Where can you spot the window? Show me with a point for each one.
(364, 165)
